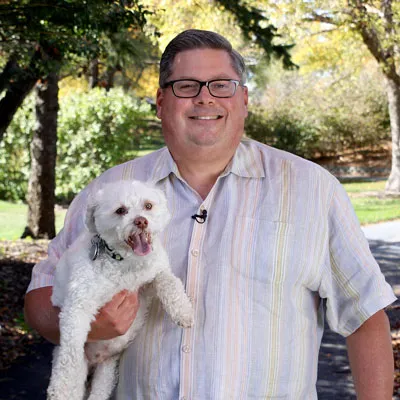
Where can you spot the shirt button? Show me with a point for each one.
(195, 253)
(186, 349)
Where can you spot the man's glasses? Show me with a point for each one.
(187, 88)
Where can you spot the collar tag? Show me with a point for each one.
(99, 246)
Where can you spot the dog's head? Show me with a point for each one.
(127, 215)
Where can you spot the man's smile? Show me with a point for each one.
(206, 117)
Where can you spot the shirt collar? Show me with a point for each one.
(246, 163)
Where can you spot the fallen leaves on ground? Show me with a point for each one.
(16, 261)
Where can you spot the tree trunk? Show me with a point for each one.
(109, 78)
(19, 82)
(13, 99)
(41, 188)
(393, 91)
(94, 73)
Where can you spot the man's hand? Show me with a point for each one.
(115, 317)
(112, 320)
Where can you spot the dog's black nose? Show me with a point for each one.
(141, 222)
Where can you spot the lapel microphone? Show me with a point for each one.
(200, 218)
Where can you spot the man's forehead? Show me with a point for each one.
(196, 64)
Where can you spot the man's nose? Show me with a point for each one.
(204, 97)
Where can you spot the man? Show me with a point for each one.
(279, 235)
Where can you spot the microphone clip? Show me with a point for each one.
(200, 218)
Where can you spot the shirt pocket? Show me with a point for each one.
(264, 250)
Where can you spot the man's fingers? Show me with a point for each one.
(115, 317)
(116, 301)
(130, 300)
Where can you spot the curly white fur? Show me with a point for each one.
(128, 216)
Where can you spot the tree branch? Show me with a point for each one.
(371, 38)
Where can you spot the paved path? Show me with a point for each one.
(334, 377)
(27, 379)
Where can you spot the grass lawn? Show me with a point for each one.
(369, 209)
(359, 187)
(13, 220)
(372, 209)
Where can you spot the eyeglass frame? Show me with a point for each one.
(203, 83)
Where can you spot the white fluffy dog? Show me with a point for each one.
(120, 250)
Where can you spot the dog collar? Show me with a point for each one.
(99, 246)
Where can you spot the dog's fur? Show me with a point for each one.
(128, 216)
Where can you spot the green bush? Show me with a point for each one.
(283, 132)
(96, 130)
(14, 154)
(326, 111)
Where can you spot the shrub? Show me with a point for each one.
(14, 153)
(283, 132)
(96, 130)
(329, 113)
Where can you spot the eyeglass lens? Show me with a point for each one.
(189, 88)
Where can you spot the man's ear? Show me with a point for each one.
(159, 101)
(246, 98)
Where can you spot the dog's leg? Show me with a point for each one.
(70, 368)
(172, 295)
(104, 379)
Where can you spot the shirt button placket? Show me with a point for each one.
(194, 259)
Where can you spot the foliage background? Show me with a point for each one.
(96, 130)
(335, 101)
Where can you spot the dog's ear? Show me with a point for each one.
(90, 211)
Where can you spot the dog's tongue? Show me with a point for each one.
(139, 244)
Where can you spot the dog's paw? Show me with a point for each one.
(188, 323)
(185, 316)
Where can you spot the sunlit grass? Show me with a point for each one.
(359, 187)
(13, 218)
(369, 209)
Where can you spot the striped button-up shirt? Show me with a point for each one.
(280, 235)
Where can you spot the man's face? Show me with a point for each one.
(191, 125)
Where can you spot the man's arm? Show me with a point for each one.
(112, 320)
(371, 358)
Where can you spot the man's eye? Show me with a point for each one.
(186, 86)
(148, 206)
(121, 211)
(220, 85)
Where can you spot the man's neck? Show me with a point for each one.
(201, 175)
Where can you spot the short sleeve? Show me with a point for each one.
(352, 282)
(43, 272)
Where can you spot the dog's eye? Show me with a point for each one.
(148, 206)
(121, 211)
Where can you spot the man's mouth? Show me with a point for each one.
(140, 242)
(206, 117)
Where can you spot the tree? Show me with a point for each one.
(379, 27)
(38, 39)
(36, 36)
(43, 151)
(377, 23)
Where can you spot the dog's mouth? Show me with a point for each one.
(140, 242)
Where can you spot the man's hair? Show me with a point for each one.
(192, 39)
